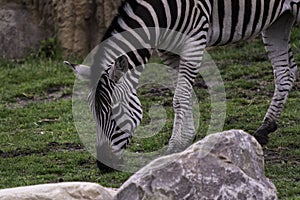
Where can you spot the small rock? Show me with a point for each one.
(59, 191)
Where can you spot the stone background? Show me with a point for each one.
(78, 25)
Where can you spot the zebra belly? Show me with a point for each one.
(214, 38)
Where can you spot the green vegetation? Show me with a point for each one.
(39, 142)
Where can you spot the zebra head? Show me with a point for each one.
(117, 112)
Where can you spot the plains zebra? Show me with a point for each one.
(207, 23)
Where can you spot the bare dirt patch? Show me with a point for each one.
(279, 155)
(54, 93)
(50, 148)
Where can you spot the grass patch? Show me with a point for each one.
(39, 142)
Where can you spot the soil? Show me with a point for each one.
(50, 147)
(52, 94)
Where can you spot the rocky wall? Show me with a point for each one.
(77, 24)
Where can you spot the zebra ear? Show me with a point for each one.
(119, 69)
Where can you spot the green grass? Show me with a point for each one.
(39, 143)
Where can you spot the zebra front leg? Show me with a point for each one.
(181, 103)
(276, 43)
(172, 60)
(188, 128)
(293, 65)
(183, 129)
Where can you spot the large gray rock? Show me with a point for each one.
(59, 191)
(226, 165)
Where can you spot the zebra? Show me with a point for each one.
(113, 98)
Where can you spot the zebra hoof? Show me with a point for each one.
(261, 134)
(262, 139)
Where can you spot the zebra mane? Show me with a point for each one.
(114, 24)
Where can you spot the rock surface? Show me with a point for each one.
(226, 165)
(78, 25)
(59, 191)
(19, 31)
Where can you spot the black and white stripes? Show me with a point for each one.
(150, 24)
(237, 20)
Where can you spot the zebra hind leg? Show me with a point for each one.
(277, 47)
(269, 125)
(261, 134)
